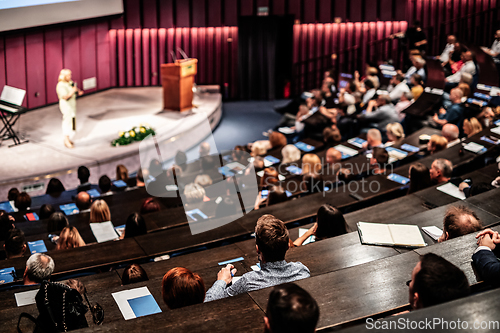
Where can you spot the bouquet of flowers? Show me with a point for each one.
(137, 133)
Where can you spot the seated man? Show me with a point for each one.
(379, 160)
(451, 133)
(468, 67)
(333, 159)
(459, 221)
(83, 202)
(485, 261)
(441, 171)
(435, 280)
(373, 139)
(448, 49)
(380, 112)
(291, 309)
(272, 242)
(105, 185)
(39, 267)
(494, 51)
(83, 175)
(455, 113)
(397, 87)
(15, 244)
(418, 67)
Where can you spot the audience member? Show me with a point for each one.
(181, 287)
(54, 186)
(474, 189)
(180, 160)
(455, 113)
(105, 185)
(203, 180)
(122, 173)
(57, 222)
(373, 139)
(135, 226)
(485, 260)
(134, 273)
(448, 49)
(260, 147)
(311, 163)
(394, 132)
(15, 244)
(204, 149)
(13, 193)
(349, 94)
(404, 102)
(272, 242)
(380, 113)
(99, 212)
(39, 267)
(46, 211)
(277, 140)
(417, 68)
(420, 177)
(458, 221)
(441, 171)
(331, 135)
(451, 133)
(83, 201)
(379, 160)
(494, 50)
(194, 193)
(312, 183)
(330, 222)
(397, 87)
(140, 178)
(290, 154)
(436, 144)
(333, 157)
(225, 207)
(83, 175)
(468, 67)
(151, 205)
(23, 201)
(417, 83)
(275, 194)
(269, 177)
(6, 224)
(435, 280)
(69, 238)
(290, 309)
(472, 126)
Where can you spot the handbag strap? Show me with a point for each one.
(29, 317)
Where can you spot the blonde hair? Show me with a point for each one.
(121, 173)
(260, 147)
(290, 153)
(474, 126)
(194, 193)
(69, 239)
(62, 75)
(396, 130)
(99, 212)
(438, 143)
(311, 163)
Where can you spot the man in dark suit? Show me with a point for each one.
(486, 262)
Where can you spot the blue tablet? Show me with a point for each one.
(304, 146)
(398, 179)
(37, 247)
(411, 148)
(294, 169)
(69, 209)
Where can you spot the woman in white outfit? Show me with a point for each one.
(66, 92)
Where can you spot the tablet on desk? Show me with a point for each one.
(37, 247)
(94, 193)
(69, 209)
(31, 217)
(294, 169)
(120, 183)
(7, 206)
(196, 215)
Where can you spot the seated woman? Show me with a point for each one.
(134, 273)
(69, 239)
(420, 177)
(46, 211)
(276, 194)
(417, 85)
(311, 163)
(312, 183)
(290, 154)
(57, 222)
(436, 144)
(181, 287)
(330, 223)
(99, 212)
(394, 132)
(135, 226)
(472, 126)
(55, 187)
(331, 136)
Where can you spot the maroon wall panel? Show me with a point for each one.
(199, 13)
(215, 13)
(35, 70)
(105, 63)
(149, 14)
(340, 9)
(153, 36)
(129, 59)
(2, 62)
(371, 14)
(113, 58)
(181, 18)
(401, 10)
(234, 62)
(15, 60)
(121, 74)
(246, 7)
(386, 10)
(162, 57)
(202, 58)
(132, 13)
(209, 64)
(88, 53)
(278, 7)
(294, 8)
(138, 57)
(231, 13)
(71, 52)
(53, 62)
(166, 14)
(309, 12)
(356, 9)
(325, 11)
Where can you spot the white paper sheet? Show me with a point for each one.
(473, 147)
(346, 150)
(13, 95)
(496, 130)
(122, 297)
(433, 232)
(104, 231)
(26, 297)
(452, 190)
(375, 233)
(308, 240)
(406, 235)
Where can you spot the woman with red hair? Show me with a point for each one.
(181, 287)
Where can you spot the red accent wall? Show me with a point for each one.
(128, 50)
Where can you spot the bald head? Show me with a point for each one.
(333, 156)
(374, 137)
(204, 149)
(82, 200)
(467, 56)
(450, 132)
(459, 221)
(452, 39)
(456, 95)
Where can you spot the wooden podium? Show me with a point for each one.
(177, 80)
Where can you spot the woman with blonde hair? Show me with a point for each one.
(472, 126)
(436, 143)
(66, 92)
(69, 239)
(394, 132)
(99, 212)
(121, 173)
(311, 163)
(290, 153)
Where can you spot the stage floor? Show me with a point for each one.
(100, 117)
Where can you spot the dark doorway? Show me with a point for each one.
(264, 56)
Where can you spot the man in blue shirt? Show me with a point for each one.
(455, 113)
(272, 242)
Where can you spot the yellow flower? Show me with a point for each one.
(132, 133)
(122, 134)
(143, 130)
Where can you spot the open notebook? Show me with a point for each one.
(401, 235)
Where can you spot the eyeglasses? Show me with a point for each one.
(96, 310)
(408, 283)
